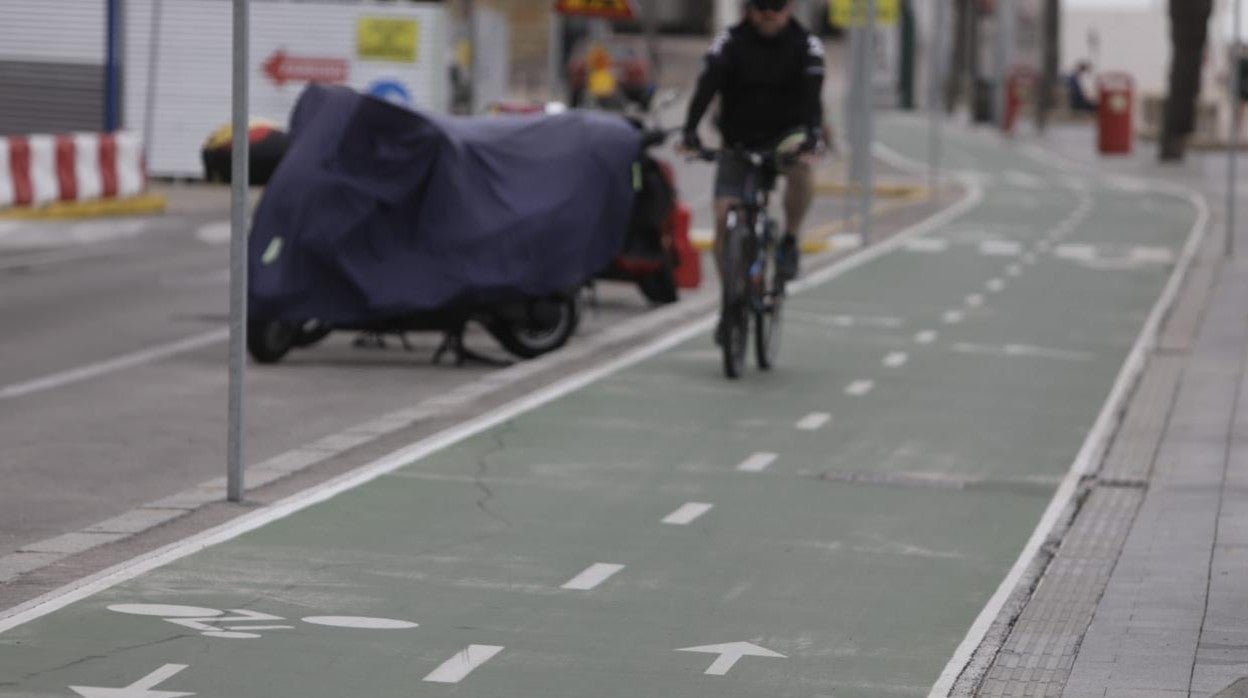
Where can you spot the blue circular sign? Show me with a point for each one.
(391, 91)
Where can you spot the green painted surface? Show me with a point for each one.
(863, 553)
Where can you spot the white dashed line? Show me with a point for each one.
(925, 337)
(953, 317)
(593, 575)
(995, 285)
(927, 245)
(1000, 248)
(814, 421)
(463, 663)
(896, 359)
(860, 388)
(687, 513)
(757, 463)
(974, 300)
(1077, 252)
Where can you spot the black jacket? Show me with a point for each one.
(768, 86)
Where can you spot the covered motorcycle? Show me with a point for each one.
(384, 218)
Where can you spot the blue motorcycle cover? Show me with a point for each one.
(377, 211)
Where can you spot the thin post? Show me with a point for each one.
(1005, 56)
(238, 253)
(1232, 174)
(554, 65)
(153, 58)
(936, 77)
(868, 122)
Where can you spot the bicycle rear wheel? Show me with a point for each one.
(735, 307)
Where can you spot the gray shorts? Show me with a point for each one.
(732, 169)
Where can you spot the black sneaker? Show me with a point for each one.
(788, 258)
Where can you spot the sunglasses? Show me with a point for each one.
(769, 5)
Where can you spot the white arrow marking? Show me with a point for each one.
(687, 513)
(896, 359)
(757, 463)
(593, 575)
(814, 421)
(729, 653)
(860, 388)
(461, 665)
(138, 689)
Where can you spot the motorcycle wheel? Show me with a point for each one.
(660, 287)
(532, 342)
(270, 340)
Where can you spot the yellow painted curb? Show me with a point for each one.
(131, 206)
(886, 191)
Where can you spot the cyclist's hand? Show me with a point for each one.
(690, 144)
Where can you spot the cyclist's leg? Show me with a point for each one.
(799, 192)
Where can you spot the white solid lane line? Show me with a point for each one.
(896, 359)
(463, 663)
(814, 421)
(953, 317)
(687, 513)
(101, 368)
(860, 388)
(925, 337)
(593, 575)
(757, 463)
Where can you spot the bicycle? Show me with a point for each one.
(750, 284)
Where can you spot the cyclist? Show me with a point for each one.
(768, 72)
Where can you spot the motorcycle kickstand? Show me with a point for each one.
(453, 342)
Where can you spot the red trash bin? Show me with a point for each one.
(1020, 87)
(1115, 97)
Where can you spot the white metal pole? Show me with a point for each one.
(238, 254)
(868, 121)
(936, 77)
(153, 60)
(1233, 154)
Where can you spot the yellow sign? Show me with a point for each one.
(387, 39)
(846, 13)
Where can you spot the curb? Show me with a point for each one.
(131, 206)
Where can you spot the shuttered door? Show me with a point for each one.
(52, 66)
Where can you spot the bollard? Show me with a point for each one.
(1115, 98)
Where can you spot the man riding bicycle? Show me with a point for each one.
(768, 72)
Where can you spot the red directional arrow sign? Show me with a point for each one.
(283, 68)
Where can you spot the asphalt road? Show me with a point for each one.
(832, 528)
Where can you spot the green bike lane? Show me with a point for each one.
(848, 515)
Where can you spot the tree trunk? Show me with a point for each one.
(1189, 27)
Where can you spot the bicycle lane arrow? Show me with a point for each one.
(729, 653)
(138, 689)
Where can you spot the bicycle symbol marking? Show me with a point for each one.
(241, 624)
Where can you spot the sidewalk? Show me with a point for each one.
(1143, 592)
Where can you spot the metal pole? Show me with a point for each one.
(868, 122)
(852, 106)
(936, 78)
(238, 252)
(1005, 55)
(1233, 154)
(554, 65)
(153, 57)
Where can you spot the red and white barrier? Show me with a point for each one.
(40, 169)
